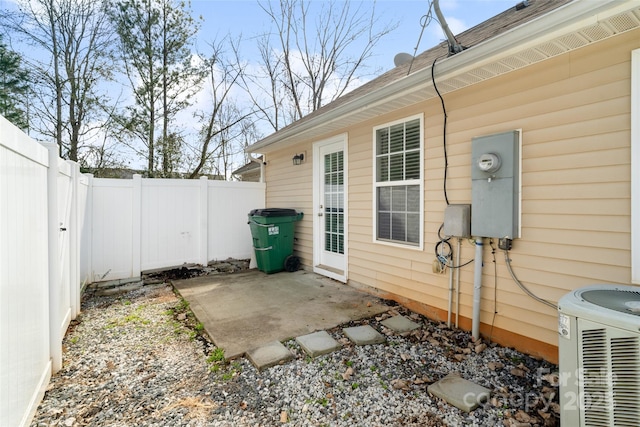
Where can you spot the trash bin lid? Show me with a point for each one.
(272, 212)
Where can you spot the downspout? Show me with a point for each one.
(477, 285)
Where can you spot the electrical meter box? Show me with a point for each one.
(495, 185)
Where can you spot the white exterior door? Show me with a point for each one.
(330, 210)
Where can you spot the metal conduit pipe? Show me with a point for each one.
(451, 268)
(477, 286)
(454, 46)
(458, 280)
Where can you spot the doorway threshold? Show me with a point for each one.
(331, 272)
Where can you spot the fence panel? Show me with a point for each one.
(112, 243)
(145, 224)
(228, 232)
(25, 367)
(171, 222)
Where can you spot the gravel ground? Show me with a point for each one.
(142, 359)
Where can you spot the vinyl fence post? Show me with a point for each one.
(55, 321)
(87, 231)
(74, 241)
(204, 221)
(136, 226)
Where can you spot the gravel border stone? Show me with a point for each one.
(141, 359)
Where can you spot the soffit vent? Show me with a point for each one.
(573, 41)
(514, 62)
(596, 32)
(606, 28)
(625, 22)
(553, 49)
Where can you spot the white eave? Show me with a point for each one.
(570, 27)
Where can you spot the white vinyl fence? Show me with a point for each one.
(60, 229)
(40, 206)
(144, 224)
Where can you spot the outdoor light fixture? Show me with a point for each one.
(297, 159)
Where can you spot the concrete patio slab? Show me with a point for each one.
(271, 354)
(318, 343)
(243, 311)
(364, 335)
(461, 393)
(400, 324)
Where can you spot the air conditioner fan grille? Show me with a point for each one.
(614, 299)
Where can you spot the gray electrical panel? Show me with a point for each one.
(495, 185)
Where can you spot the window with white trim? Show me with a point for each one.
(398, 182)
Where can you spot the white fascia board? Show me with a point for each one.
(567, 19)
(635, 167)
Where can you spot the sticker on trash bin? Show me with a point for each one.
(273, 230)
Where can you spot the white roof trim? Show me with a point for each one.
(575, 25)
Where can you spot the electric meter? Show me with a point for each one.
(489, 162)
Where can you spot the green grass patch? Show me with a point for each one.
(216, 356)
(182, 305)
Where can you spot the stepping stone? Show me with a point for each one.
(400, 324)
(461, 393)
(318, 343)
(269, 355)
(364, 335)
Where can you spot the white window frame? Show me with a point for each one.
(418, 181)
(635, 165)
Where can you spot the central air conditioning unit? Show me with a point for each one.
(599, 353)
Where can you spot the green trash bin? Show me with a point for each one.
(272, 232)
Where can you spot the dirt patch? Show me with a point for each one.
(189, 271)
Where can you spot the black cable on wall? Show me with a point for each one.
(444, 130)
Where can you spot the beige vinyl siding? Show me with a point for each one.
(574, 113)
(574, 116)
(290, 186)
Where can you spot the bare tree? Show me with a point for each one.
(75, 38)
(224, 124)
(306, 63)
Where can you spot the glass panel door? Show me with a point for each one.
(330, 193)
(334, 202)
